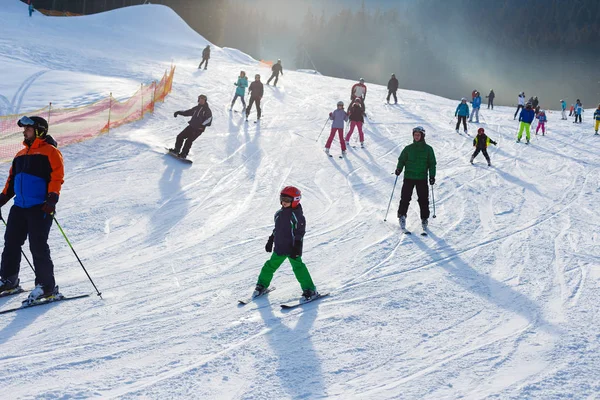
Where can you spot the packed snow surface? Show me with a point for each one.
(499, 301)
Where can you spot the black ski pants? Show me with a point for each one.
(189, 134)
(35, 224)
(258, 109)
(422, 193)
(273, 75)
(576, 117)
(490, 103)
(205, 62)
(392, 93)
(484, 151)
(462, 118)
(519, 108)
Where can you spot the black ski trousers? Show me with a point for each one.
(490, 103)
(204, 60)
(485, 154)
(406, 194)
(35, 224)
(258, 110)
(189, 134)
(519, 107)
(392, 93)
(464, 121)
(273, 75)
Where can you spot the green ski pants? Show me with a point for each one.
(524, 126)
(299, 268)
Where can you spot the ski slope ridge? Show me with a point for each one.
(498, 302)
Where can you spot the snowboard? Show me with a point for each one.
(185, 160)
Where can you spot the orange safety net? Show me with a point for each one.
(266, 63)
(54, 13)
(71, 125)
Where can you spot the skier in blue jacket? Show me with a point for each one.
(526, 118)
(462, 112)
(476, 103)
(240, 91)
(563, 107)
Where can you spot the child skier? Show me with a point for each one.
(476, 103)
(288, 244)
(597, 118)
(541, 122)
(356, 119)
(525, 118)
(240, 91)
(563, 107)
(462, 111)
(481, 142)
(578, 111)
(338, 116)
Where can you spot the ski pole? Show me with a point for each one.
(390, 203)
(322, 130)
(433, 200)
(69, 243)
(28, 262)
(452, 120)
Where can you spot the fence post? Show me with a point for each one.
(49, 111)
(109, 109)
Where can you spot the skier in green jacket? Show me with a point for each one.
(416, 159)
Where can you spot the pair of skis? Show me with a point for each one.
(35, 303)
(285, 306)
(407, 232)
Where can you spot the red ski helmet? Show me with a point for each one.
(293, 193)
(480, 130)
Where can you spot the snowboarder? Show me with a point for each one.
(201, 118)
(481, 142)
(563, 107)
(256, 91)
(462, 112)
(476, 105)
(392, 88)
(490, 98)
(418, 159)
(578, 111)
(359, 90)
(338, 116)
(35, 180)
(356, 120)
(288, 239)
(525, 118)
(521, 103)
(277, 69)
(240, 91)
(205, 57)
(597, 118)
(541, 122)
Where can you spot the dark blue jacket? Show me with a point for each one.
(201, 116)
(527, 115)
(290, 227)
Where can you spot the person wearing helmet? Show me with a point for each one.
(339, 117)
(286, 242)
(563, 107)
(418, 160)
(392, 88)
(597, 118)
(521, 103)
(205, 57)
(35, 180)
(541, 116)
(490, 98)
(256, 91)
(525, 118)
(240, 91)
(359, 90)
(578, 111)
(201, 118)
(356, 117)
(276, 70)
(476, 105)
(462, 112)
(481, 142)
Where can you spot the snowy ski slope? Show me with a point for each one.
(500, 301)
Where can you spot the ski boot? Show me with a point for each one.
(424, 223)
(8, 285)
(258, 290)
(402, 220)
(471, 160)
(326, 151)
(40, 293)
(362, 145)
(343, 153)
(309, 294)
(457, 131)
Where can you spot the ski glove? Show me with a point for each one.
(176, 114)
(494, 143)
(296, 249)
(49, 206)
(432, 181)
(398, 171)
(269, 245)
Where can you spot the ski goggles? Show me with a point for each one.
(285, 199)
(419, 129)
(25, 121)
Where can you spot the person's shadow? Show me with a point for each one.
(299, 368)
(22, 319)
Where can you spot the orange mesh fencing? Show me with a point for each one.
(266, 63)
(71, 125)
